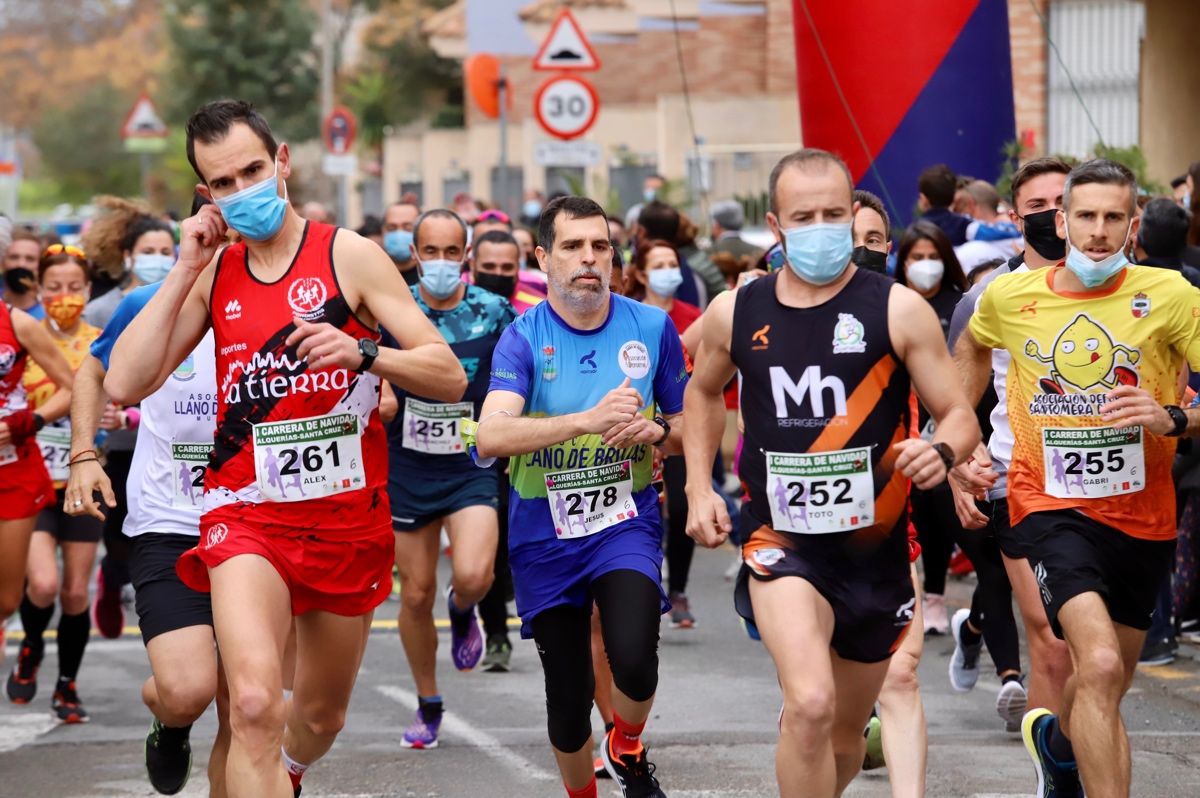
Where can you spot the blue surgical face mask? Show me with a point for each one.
(1091, 272)
(532, 209)
(396, 243)
(150, 267)
(819, 253)
(255, 212)
(649, 194)
(441, 278)
(665, 282)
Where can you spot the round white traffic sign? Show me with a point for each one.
(566, 106)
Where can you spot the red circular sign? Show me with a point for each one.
(339, 130)
(566, 106)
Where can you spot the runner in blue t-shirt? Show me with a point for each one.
(579, 391)
(431, 479)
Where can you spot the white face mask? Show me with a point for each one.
(923, 275)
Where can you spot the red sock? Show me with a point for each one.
(583, 792)
(626, 737)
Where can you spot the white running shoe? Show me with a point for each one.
(936, 622)
(1010, 704)
(964, 664)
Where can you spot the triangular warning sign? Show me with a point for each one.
(566, 47)
(143, 121)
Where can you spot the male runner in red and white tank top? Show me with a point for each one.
(296, 519)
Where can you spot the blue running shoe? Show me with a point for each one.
(466, 638)
(421, 735)
(1054, 780)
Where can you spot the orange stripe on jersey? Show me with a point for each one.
(858, 406)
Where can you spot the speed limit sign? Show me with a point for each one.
(566, 106)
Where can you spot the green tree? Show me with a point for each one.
(400, 77)
(263, 51)
(81, 148)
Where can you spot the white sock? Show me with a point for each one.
(293, 767)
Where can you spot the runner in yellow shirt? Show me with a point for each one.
(1097, 349)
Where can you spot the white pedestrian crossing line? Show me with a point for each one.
(21, 729)
(489, 745)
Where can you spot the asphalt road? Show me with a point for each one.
(712, 734)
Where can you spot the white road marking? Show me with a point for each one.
(17, 730)
(478, 738)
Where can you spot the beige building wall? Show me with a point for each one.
(1170, 87)
(658, 132)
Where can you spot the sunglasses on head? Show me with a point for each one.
(494, 215)
(55, 249)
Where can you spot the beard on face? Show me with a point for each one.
(582, 297)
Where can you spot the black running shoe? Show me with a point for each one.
(634, 773)
(65, 705)
(22, 682)
(168, 758)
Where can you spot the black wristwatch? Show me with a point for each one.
(369, 351)
(1179, 417)
(666, 428)
(946, 453)
(38, 422)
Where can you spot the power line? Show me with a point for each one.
(1070, 78)
(837, 86)
(687, 102)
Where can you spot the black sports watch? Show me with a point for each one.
(662, 422)
(946, 453)
(1179, 417)
(369, 351)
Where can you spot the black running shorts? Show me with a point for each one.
(871, 592)
(1072, 554)
(68, 528)
(164, 603)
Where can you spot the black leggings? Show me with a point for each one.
(680, 547)
(937, 527)
(493, 607)
(115, 563)
(630, 605)
(991, 604)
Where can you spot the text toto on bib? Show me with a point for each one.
(821, 492)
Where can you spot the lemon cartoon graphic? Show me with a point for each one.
(1084, 355)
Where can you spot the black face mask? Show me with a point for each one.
(869, 259)
(496, 283)
(1041, 234)
(411, 276)
(19, 280)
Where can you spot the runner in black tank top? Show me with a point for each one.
(826, 352)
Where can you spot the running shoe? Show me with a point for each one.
(65, 705)
(421, 735)
(601, 771)
(498, 658)
(873, 760)
(964, 664)
(681, 612)
(108, 612)
(1053, 780)
(1158, 652)
(22, 682)
(960, 563)
(1011, 703)
(934, 607)
(465, 649)
(168, 758)
(633, 773)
